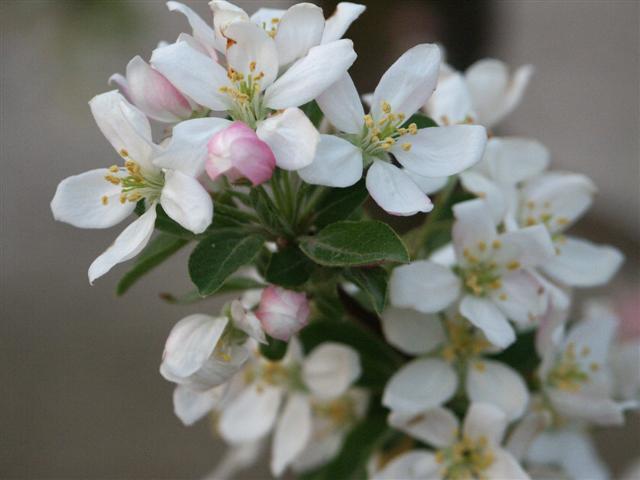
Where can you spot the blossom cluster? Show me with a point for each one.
(450, 352)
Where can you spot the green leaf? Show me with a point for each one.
(421, 121)
(349, 243)
(289, 268)
(378, 360)
(156, 252)
(219, 255)
(372, 281)
(275, 350)
(356, 451)
(339, 203)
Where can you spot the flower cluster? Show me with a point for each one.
(449, 352)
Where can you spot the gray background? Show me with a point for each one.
(81, 394)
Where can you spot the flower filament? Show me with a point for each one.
(464, 342)
(245, 95)
(568, 373)
(466, 459)
(379, 136)
(134, 182)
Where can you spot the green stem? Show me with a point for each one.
(421, 236)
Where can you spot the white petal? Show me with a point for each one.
(394, 191)
(451, 102)
(235, 459)
(292, 138)
(224, 14)
(473, 228)
(187, 150)
(251, 415)
(511, 160)
(424, 286)
(299, 29)
(217, 370)
(428, 185)
(526, 431)
(529, 247)
(201, 30)
(251, 51)
(330, 369)
(341, 104)
(596, 408)
(412, 332)
(495, 93)
(126, 127)
(442, 151)
(191, 405)
(190, 344)
(292, 433)
(409, 82)
(193, 73)
(436, 426)
(488, 190)
(318, 452)
(499, 385)
(505, 466)
(485, 420)
(186, 201)
(420, 385)
(338, 163)
(265, 17)
(340, 20)
(594, 334)
(581, 263)
(127, 245)
(563, 197)
(521, 298)
(311, 75)
(412, 465)
(485, 315)
(79, 201)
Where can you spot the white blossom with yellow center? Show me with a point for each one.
(104, 197)
(371, 141)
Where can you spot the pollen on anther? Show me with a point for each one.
(514, 265)
(496, 244)
(104, 200)
(406, 147)
(124, 153)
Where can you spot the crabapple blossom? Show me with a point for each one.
(367, 141)
(281, 312)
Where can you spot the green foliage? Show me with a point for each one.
(522, 356)
(219, 255)
(231, 285)
(275, 350)
(355, 243)
(156, 252)
(165, 224)
(289, 268)
(372, 281)
(339, 203)
(313, 112)
(421, 121)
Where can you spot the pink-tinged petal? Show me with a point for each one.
(202, 32)
(282, 312)
(152, 93)
(238, 152)
(120, 82)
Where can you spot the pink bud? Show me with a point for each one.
(152, 93)
(237, 152)
(282, 312)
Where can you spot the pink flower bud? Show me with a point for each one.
(237, 152)
(282, 312)
(152, 93)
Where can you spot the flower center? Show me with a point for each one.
(466, 459)
(246, 95)
(568, 373)
(464, 342)
(271, 26)
(135, 184)
(379, 136)
(536, 213)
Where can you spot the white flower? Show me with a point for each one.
(446, 348)
(490, 270)
(485, 94)
(472, 452)
(575, 370)
(557, 200)
(367, 141)
(104, 197)
(254, 87)
(282, 312)
(254, 409)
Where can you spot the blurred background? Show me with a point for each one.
(81, 393)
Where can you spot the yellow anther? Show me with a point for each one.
(124, 153)
(479, 366)
(530, 221)
(585, 351)
(368, 121)
(275, 20)
(123, 198)
(594, 367)
(562, 221)
(413, 128)
(482, 245)
(401, 116)
(406, 147)
(531, 205)
(112, 179)
(114, 169)
(513, 265)
(496, 244)
(503, 297)
(104, 200)
(386, 108)
(252, 66)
